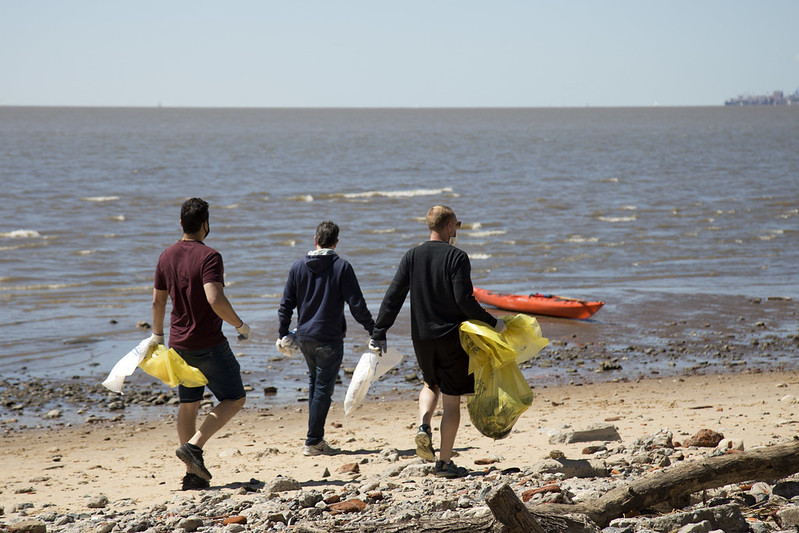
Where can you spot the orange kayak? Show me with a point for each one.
(539, 304)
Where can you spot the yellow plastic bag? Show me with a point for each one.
(501, 392)
(166, 365)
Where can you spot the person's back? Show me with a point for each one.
(438, 276)
(183, 270)
(318, 286)
(440, 289)
(192, 275)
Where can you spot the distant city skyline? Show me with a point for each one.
(432, 53)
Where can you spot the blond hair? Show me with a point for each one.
(438, 217)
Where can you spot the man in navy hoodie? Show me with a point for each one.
(318, 286)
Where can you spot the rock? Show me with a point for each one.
(308, 498)
(590, 450)
(725, 517)
(282, 484)
(192, 523)
(597, 432)
(726, 445)
(700, 527)
(229, 452)
(98, 502)
(27, 526)
(704, 438)
(349, 468)
(582, 468)
(55, 413)
(528, 494)
(418, 470)
(789, 517)
(786, 489)
(105, 527)
(238, 519)
(350, 506)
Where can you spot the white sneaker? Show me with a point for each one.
(322, 448)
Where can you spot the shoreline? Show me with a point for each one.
(132, 463)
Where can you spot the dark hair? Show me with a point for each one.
(326, 234)
(193, 213)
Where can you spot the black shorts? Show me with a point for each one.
(445, 364)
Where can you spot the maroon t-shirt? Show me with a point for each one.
(182, 270)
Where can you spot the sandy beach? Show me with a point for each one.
(134, 466)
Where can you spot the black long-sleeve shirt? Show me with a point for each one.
(438, 277)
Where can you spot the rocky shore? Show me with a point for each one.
(575, 444)
(609, 410)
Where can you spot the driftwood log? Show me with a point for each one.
(761, 464)
(673, 484)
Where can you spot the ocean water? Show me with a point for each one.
(692, 205)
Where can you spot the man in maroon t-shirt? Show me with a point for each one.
(192, 275)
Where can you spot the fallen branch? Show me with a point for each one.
(761, 464)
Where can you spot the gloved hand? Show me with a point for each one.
(243, 331)
(500, 327)
(378, 347)
(288, 345)
(155, 340)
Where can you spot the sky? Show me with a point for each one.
(407, 53)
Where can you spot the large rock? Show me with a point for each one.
(705, 438)
(596, 432)
(725, 517)
(282, 484)
(571, 467)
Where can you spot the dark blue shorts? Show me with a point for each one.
(220, 367)
(445, 364)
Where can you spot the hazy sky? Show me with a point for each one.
(429, 53)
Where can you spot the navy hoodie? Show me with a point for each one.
(318, 286)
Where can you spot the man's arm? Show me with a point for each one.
(159, 311)
(215, 294)
(464, 294)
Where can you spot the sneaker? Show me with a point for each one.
(424, 443)
(193, 482)
(449, 470)
(321, 448)
(193, 457)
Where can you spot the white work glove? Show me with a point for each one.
(288, 345)
(243, 331)
(155, 340)
(378, 347)
(500, 327)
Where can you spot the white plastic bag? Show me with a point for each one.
(288, 345)
(370, 367)
(127, 365)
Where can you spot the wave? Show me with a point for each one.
(21, 234)
(480, 256)
(101, 198)
(579, 239)
(380, 231)
(487, 233)
(302, 198)
(392, 194)
(618, 219)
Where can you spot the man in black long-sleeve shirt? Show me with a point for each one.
(438, 276)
